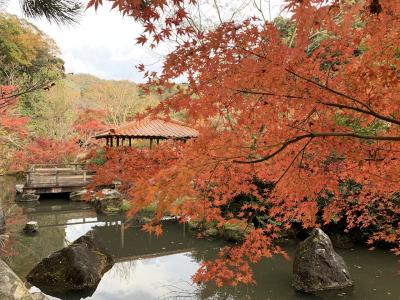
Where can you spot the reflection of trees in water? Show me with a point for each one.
(188, 290)
(125, 270)
(7, 190)
(7, 205)
(180, 290)
(32, 249)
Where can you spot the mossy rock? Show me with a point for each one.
(125, 206)
(111, 202)
(78, 267)
(194, 225)
(233, 232)
(212, 232)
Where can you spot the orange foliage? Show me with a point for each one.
(6, 97)
(88, 123)
(45, 150)
(267, 109)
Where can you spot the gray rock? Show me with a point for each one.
(19, 188)
(31, 227)
(77, 196)
(117, 184)
(12, 288)
(317, 266)
(2, 221)
(110, 194)
(78, 267)
(109, 202)
(28, 197)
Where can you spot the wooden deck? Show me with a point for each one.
(61, 178)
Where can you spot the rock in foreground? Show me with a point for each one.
(12, 288)
(2, 222)
(78, 267)
(317, 266)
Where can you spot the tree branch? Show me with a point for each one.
(369, 112)
(329, 89)
(267, 94)
(288, 142)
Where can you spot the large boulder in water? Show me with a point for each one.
(317, 266)
(76, 268)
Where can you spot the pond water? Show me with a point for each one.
(161, 268)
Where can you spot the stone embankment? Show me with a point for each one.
(12, 288)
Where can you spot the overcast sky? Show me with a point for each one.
(103, 43)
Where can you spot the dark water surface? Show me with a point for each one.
(161, 268)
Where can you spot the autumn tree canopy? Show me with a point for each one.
(311, 109)
(28, 61)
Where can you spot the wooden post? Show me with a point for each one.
(130, 142)
(111, 141)
(56, 176)
(117, 141)
(122, 235)
(151, 143)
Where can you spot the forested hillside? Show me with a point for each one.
(56, 113)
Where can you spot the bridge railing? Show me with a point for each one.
(70, 166)
(57, 174)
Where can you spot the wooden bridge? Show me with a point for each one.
(56, 178)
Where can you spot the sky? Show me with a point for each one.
(103, 43)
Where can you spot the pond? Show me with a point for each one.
(161, 268)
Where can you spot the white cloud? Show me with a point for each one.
(103, 43)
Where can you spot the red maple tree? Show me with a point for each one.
(315, 117)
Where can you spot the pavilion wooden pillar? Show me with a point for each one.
(122, 234)
(130, 142)
(111, 141)
(117, 141)
(151, 143)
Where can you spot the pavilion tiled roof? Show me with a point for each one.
(151, 128)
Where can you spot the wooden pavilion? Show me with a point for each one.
(146, 129)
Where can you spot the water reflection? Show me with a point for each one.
(161, 268)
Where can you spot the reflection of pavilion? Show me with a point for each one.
(61, 222)
(134, 243)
